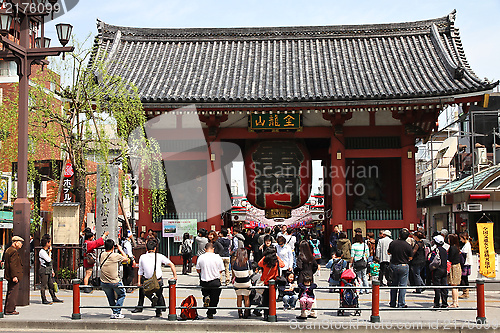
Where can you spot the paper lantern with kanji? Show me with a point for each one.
(278, 176)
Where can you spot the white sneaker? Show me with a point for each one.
(117, 316)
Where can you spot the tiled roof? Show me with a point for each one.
(466, 183)
(287, 64)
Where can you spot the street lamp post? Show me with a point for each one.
(26, 14)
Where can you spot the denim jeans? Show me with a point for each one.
(363, 280)
(416, 271)
(399, 278)
(110, 289)
(289, 301)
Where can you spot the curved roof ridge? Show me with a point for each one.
(443, 23)
(229, 60)
(475, 175)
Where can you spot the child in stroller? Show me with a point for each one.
(348, 297)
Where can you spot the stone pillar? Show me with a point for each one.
(107, 203)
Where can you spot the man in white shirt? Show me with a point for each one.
(147, 266)
(384, 257)
(110, 280)
(210, 266)
(285, 254)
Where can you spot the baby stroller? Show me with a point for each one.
(348, 297)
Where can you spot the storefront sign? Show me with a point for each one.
(177, 228)
(486, 249)
(275, 122)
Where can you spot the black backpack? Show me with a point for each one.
(337, 269)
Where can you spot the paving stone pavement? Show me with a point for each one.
(418, 316)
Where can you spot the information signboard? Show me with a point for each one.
(176, 228)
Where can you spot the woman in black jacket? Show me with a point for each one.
(306, 265)
(418, 260)
(456, 270)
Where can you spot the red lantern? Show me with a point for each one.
(278, 176)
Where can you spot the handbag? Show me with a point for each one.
(90, 258)
(151, 285)
(361, 263)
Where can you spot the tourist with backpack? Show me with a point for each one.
(315, 247)
(187, 253)
(438, 266)
(337, 265)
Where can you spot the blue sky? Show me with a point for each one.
(478, 21)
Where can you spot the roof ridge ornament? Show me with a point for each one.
(452, 16)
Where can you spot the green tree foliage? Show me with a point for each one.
(87, 117)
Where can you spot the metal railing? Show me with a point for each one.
(375, 302)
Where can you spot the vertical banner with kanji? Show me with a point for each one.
(67, 196)
(486, 249)
(107, 202)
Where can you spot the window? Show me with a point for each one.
(8, 68)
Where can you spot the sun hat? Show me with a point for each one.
(439, 239)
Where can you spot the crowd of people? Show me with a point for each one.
(291, 257)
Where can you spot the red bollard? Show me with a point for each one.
(172, 300)
(76, 300)
(481, 308)
(375, 317)
(272, 301)
(1, 297)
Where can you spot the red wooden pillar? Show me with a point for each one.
(214, 185)
(481, 309)
(337, 189)
(408, 179)
(375, 317)
(1, 297)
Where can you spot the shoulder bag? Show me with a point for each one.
(151, 285)
(361, 263)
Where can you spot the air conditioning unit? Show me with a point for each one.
(476, 207)
(459, 207)
(481, 156)
(318, 216)
(237, 217)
